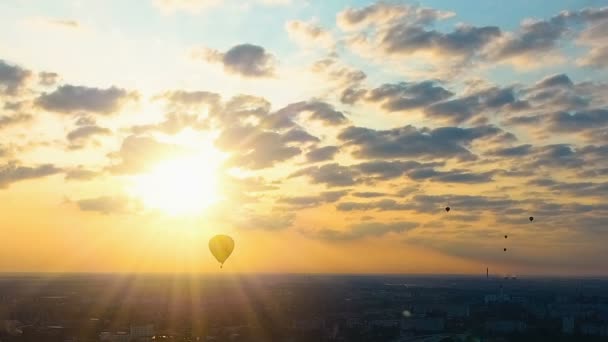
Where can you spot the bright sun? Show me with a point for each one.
(180, 186)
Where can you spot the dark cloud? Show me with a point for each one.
(516, 151)
(108, 205)
(452, 176)
(405, 96)
(352, 95)
(71, 99)
(247, 60)
(79, 136)
(462, 109)
(384, 170)
(12, 78)
(463, 41)
(329, 174)
(369, 194)
(322, 154)
(317, 110)
(12, 173)
(409, 141)
(363, 230)
(577, 121)
(300, 136)
(533, 39)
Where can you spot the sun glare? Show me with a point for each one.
(181, 186)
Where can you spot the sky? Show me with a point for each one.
(322, 136)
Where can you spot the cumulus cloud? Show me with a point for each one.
(406, 96)
(138, 153)
(363, 230)
(321, 154)
(247, 60)
(316, 110)
(12, 172)
(409, 141)
(315, 200)
(82, 134)
(70, 99)
(12, 78)
(309, 34)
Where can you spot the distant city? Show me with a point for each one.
(121, 308)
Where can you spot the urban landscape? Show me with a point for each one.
(120, 308)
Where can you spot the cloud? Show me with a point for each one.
(331, 175)
(315, 200)
(316, 110)
(12, 78)
(138, 153)
(577, 121)
(462, 109)
(12, 172)
(363, 230)
(309, 34)
(452, 176)
(47, 79)
(271, 222)
(80, 174)
(108, 205)
(381, 14)
(82, 134)
(173, 124)
(246, 60)
(322, 154)
(71, 99)
(406, 96)
(409, 141)
(10, 120)
(254, 148)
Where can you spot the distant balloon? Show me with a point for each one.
(447, 209)
(531, 218)
(506, 236)
(505, 249)
(221, 246)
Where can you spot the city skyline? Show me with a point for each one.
(323, 137)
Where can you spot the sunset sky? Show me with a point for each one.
(324, 136)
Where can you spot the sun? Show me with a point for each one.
(180, 186)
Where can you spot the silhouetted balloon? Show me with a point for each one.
(506, 236)
(221, 246)
(505, 249)
(447, 209)
(531, 218)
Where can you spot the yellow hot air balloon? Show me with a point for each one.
(221, 246)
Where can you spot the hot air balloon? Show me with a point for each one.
(221, 246)
(447, 209)
(506, 236)
(505, 249)
(531, 218)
